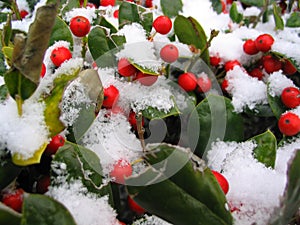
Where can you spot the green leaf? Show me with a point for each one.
(52, 101)
(217, 5)
(83, 164)
(8, 54)
(69, 5)
(217, 120)
(263, 110)
(276, 105)
(3, 17)
(8, 173)
(234, 14)
(143, 69)
(132, 13)
(18, 85)
(100, 48)
(6, 32)
(188, 194)
(28, 58)
(9, 216)
(43, 210)
(265, 151)
(171, 8)
(104, 23)
(3, 93)
(258, 3)
(277, 17)
(61, 31)
(290, 202)
(192, 34)
(116, 41)
(2, 61)
(293, 20)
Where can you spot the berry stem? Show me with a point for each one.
(85, 3)
(213, 34)
(141, 130)
(15, 9)
(84, 47)
(19, 104)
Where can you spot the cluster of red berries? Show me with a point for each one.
(189, 82)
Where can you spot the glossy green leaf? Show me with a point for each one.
(68, 5)
(52, 101)
(290, 202)
(9, 216)
(101, 21)
(83, 164)
(8, 173)
(217, 121)
(18, 85)
(28, 58)
(143, 69)
(132, 13)
(277, 17)
(217, 5)
(171, 8)
(276, 105)
(100, 48)
(293, 20)
(43, 210)
(234, 14)
(265, 151)
(3, 17)
(258, 3)
(190, 196)
(260, 110)
(115, 41)
(61, 31)
(8, 54)
(192, 34)
(6, 32)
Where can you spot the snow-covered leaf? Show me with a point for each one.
(9, 216)
(101, 21)
(188, 194)
(293, 20)
(154, 113)
(234, 13)
(291, 200)
(61, 31)
(193, 34)
(132, 13)
(171, 8)
(277, 17)
(43, 210)
(217, 5)
(276, 105)
(8, 172)
(143, 69)
(265, 151)
(217, 121)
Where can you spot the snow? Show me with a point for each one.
(89, 13)
(86, 208)
(278, 82)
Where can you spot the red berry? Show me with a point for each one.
(43, 70)
(149, 3)
(80, 26)
(111, 96)
(134, 206)
(187, 81)
(169, 53)
(231, 64)
(271, 64)
(224, 85)
(121, 223)
(116, 14)
(289, 124)
(264, 42)
(125, 68)
(222, 181)
(256, 72)
(215, 60)
(288, 68)
(133, 120)
(250, 47)
(290, 97)
(162, 24)
(145, 79)
(56, 142)
(14, 199)
(60, 55)
(204, 84)
(23, 13)
(228, 2)
(107, 2)
(43, 184)
(121, 169)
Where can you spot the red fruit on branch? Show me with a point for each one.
(43, 184)
(290, 97)
(60, 55)
(145, 79)
(162, 24)
(125, 68)
(107, 2)
(264, 42)
(43, 70)
(224, 85)
(256, 72)
(169, 53)
(120, 171)
(149, 3)
(289, 124)
(187, 81)
(111, 96)
(116, 14)
(249, 47)
(14, 199)
(214, 60)
(271, 64)
(229, 65)
(288, 68)
(135, 207)
(56, 142)
(80, 26)
(204, 84)
(222, 181)
(23, 13)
